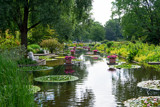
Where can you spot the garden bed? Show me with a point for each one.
(56, 78)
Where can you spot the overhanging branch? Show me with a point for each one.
(34, 25)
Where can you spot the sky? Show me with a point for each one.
(102, 10)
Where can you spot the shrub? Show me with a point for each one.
(52, 44)
(33, 47)
(8, 42)
(109, 44)
(104, 42)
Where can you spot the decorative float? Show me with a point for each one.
(112, 59)
(68, 59)
(56, 78)
(95, 52)
(89, 48)
(151, 85)
(147, 101)
(72, 52)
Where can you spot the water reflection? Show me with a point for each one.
(125, 83)
(98, 85)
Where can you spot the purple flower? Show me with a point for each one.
(95, 50)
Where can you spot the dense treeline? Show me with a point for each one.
(140, 19)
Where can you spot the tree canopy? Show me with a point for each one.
(23, 15)
(140, 19)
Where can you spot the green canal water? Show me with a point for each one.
(97, 86)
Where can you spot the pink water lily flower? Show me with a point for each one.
(69, 57)
(112, 56)
(95, 50)
(72, 50)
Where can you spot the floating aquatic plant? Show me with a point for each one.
(128, 66)
(148, 101)
(56, 78)
(151, 84)
(34, 68)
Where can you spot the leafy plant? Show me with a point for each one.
(52, 44)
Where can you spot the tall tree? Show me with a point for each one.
(113, 30)
(140, 19)
(23, 15)
(97, 32)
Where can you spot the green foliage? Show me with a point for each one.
(26, 61)
(140, 19)
(34, 68)
(140, 52)
(34, 48)
(113, 30)
(52, 44)
(27, 14)
(56, 78)
(97, 32)
(104, 42)
(109, 44)
(15, 87)
(8, 42)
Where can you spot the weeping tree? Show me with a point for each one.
(23, 15)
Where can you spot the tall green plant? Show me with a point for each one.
(14, 86)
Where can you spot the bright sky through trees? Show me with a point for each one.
(102, 10)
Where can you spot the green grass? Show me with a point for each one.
(12, 90)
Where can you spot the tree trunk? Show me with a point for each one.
(24, 26)
(24, 37)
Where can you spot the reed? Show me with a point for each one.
(14, 85)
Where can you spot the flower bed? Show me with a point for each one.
(151, 84)
(56, 78)
(150, 101)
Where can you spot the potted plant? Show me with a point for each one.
(74, 48)
(95, 52)
(112, 59)
(72, 52)
(68, 59)
(88, 48)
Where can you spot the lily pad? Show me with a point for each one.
(51, 59)
(34, 89)
(147, 101)
(77, 60)
(56, 78)
(35, 68)
(151, 85)
(128, 66)
(60, 57)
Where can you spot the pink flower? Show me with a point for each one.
(69, 57)
(95, 50)
(148, 105)
(155, 99)
(112, 56)
(72, 50)
(145, 102)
